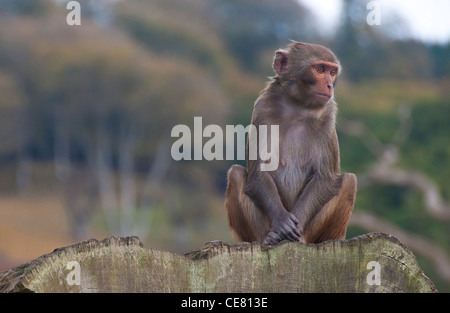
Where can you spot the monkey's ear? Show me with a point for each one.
(280, 63)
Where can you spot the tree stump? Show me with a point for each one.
(373, 262)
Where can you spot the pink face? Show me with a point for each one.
(325, 74)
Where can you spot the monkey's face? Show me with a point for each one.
(308, 74)
(314, 86)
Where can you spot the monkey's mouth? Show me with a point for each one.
(324, 95)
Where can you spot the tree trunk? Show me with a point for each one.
(374, 262)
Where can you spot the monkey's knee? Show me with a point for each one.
(348, 188)
(332, 220)
(344, 206)
(245, 220)
(345, 199)
(237, 174)
(239, 227)
(236, 178)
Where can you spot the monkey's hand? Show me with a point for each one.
(284, 227)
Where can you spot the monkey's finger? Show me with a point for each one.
(273, 238)
(290, 237)
(289, 232)
(294, 237)
(293, 229)
(295, 234)
(294, 219)
(270, 240)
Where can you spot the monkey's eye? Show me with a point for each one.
(320, 69)
(333, 73)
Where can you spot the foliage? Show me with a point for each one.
(107, 93)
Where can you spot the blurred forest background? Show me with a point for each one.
(86, 113)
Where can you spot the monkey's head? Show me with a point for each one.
(307, 72)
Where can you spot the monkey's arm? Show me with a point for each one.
(262, 190)
(313, 197)
(320, 188)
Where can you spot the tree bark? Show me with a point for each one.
(374, 262)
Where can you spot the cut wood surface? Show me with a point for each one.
(373, 262)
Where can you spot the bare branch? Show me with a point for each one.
(385, 171)
(433, 201)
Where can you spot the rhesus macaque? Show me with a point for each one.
(305, 199)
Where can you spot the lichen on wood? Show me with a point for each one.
(124, 265)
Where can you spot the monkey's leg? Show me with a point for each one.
(331, 221)
(246, 221)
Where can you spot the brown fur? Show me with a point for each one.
(306, 199)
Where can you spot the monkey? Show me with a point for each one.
(305, 199)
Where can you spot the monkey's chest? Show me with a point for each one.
(303, 150)
(300, 158)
